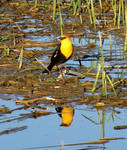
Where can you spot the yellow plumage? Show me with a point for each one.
(67, 116)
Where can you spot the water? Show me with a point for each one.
(46, 130)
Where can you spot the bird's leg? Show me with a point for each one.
(65, 68)
(61, 74)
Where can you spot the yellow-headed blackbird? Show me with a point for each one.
(62, 53)
(66, 113)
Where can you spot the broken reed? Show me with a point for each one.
(20, 59)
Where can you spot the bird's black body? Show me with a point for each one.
(57, 58)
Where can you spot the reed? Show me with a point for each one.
(54, 10)
(114, 10)
(111, 117)
(102, 67)
(105, 77)
(89, 70)
(125, 14)
(60, 21)
(4, 38)
(89, 11)
(20, 59)
(96, 79)
(111, 83)
(119, 15)
(76, 6)
(100, 2)
(125, 43)
(14, 41)
(6, 51)
(35, 3)
(91, 120)
(123, 11)
(93, 14)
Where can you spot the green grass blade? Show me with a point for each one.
(84, 75)
(107, 76)
(89, 119)
(96, 79)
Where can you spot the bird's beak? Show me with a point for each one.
(59, 38)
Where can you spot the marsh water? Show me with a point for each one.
(30, 100)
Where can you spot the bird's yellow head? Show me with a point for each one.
(64, 37)
(66, 46)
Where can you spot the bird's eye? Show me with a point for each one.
(63, 37)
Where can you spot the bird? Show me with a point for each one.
(66, 113)
(62, 53)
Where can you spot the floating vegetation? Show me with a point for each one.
(13, 130)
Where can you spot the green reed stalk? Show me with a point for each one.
(76, 5)
(4, 38)
(114, 10)
(102, 67)
(61, 21)
(96, 79)
(14, 43)
(84, 75)
(54, 10)
(126, 15)
(100, 4)
(88, 7)
(35, 4)
(93, 14)
(119, 15)
(122, 11)
(91, 120)
(6, 51)
(125, 43)
(81, 19)
(107, 76)
(20, 59)
(111, 117)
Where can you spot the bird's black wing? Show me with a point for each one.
(57, 58)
